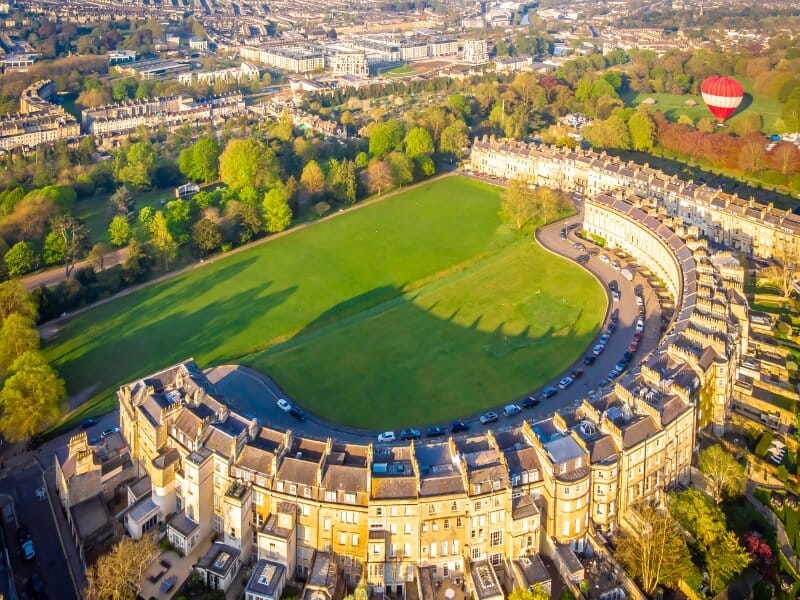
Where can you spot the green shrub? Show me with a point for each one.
(782, 474)
(763, 444)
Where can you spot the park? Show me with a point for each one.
(418, 308)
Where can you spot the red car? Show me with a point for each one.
(633, 347)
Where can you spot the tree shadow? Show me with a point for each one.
(402, 363)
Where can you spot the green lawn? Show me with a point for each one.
(673, 105)
(96, 215)
(418, 308)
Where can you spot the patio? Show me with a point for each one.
(166, 566)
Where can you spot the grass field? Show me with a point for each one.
(418, 308)
(675, 105)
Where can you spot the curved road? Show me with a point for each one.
(253, 394)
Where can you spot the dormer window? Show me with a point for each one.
(330, 496)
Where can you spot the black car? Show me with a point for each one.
(589, 359)
(86, 423)
(576, 373)
(613, 285)
(615, 315)
(583, 259)
(457, 426)
(530, 402)
(434, 432)
(298, 413)
(410, 434)
(628, 356)
(563, 234)
(612, 327)
(23, 534)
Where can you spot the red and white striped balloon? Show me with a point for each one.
(722, 95)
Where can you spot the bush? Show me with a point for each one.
(763, 444)
(782, 474)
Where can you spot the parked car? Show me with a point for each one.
(604, 339)
(284, 404)
(86, 423)
(613, 374)
(602, 383)
(615, 296)
(589, 359)
(565, 382)
(583, 259)
(633, 347)
(386, 436)
(604, 258)
(637, 337)
(615, 265)
(109, 432)
(621, 366)
(598, 349)
(576, 373)
(458, 426)
(297, 412)
(613, 285)
(639, 326)
(531, 402)
(434, 431)
(612, 327)
(511, 409)
(579, 246)
(549, 392)
(628, 356)
(563, 234)
(489, 417)
(410, 434)
(37, 586)
(615, 315)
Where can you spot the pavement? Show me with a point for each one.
(254, 394)
(56, 275)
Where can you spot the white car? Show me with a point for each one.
(386, 436)
(639, 301)
(615, 296)
(489, 417)
(615, 265)
(605, 259)
(108, 432)
(639, 326)
(284, 405)
(565, 382)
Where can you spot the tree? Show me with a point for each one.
(17, 336)
(98, 254)
(454, 139)
(378, 177)
(74, 235)
(312, 179)
(162, 242)
(20, 259)
(53, 251)
(654, 552)
(247, 162)
(785, 269)
(642, 129)
(726, 474)
(724, 561)
(137, 166)
(342, 180)
(699, 516)
(206, 235)
(533, 593)
(178, 213)
(137, 264)
(760, 553)
(418, 143)
(15, 298)
(752, 156)
(518, 203)
(121, 201)
(277, 214)
(200, 162)
(119, 232)
(118, 574)
(785, 158)
(31, 397)
(402, 168)
(384, 137)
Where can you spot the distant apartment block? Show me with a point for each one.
(153, 69)
(244, 72)
(476, 52)
(293, 60)
(350, 63)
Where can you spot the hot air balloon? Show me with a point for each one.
(722, 95)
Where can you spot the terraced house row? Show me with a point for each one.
(722, 218)
(476, 511)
